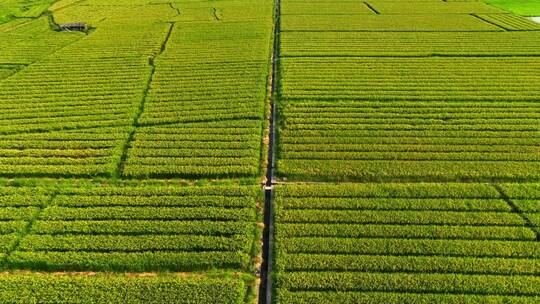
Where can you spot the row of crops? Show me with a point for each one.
(398, 16)
(407, 243)
(391, 44)
(427, 78)
(111, 288)
(69, 113)
(26, 41)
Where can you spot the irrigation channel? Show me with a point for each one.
(265, 291)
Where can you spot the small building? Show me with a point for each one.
(75, 26)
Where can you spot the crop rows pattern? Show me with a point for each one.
(138, 109)
(69, 113)
(406, 243)
(426, 78)
(412, 140)
(131, 154)
(414, 44)
(129, 229)
(204, 110)
(153, 89)
(409, 105)
(525, 199)
(414, 96)
(29, 40)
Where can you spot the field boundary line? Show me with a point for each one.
(170, 5)
(532, 100)
(266, 286)
(418, 292)
(516, 210)
(135, 124)
(15, 67)
(398, 180)
(389, 31)
(371, 8)
(28, 228)
(427, 55)
(490, 22)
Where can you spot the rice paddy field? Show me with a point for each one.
(407, 157)
(131, 154)
(263, 151)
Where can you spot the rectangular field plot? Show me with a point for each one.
(133, 229)
(381, 44)
(193, 149)
(360, 140)
(86, 152)
(204, 110)
(382, 23)
(406, 243)
(71, 113)
(222, 11)
(119, 288)
(99, 13)
(503, 79)
(53, 94)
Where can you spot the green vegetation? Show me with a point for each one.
(386, 23)
(408, 140)
(443, 283)
(42, 288)
(12, 9)
(510, 22)
(526, 199)
(496, 79)
(394, 297)
(203, 113)
(400, 93)
(381, 44)
(431, 7)
(132, 154)
(159, 107)
(91, 228)
(358, 238)
(410, 92)
(520, 7)
(324, 8)
(25, 41)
